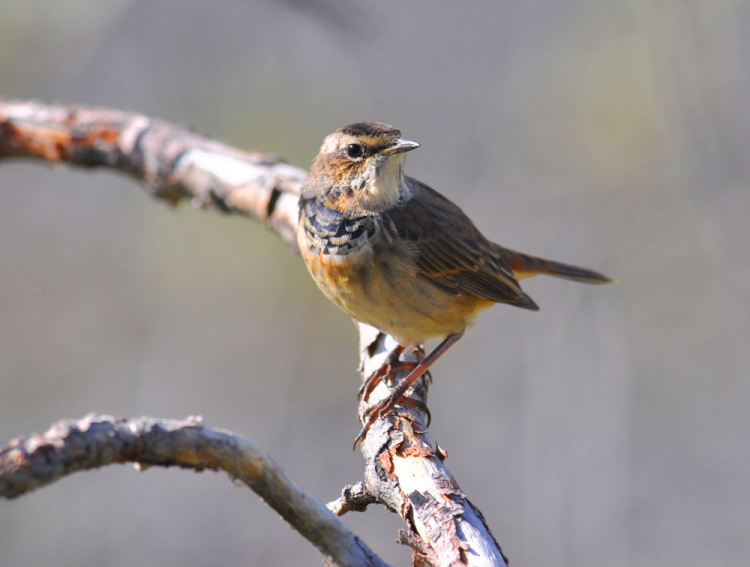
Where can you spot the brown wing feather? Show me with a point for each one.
(451, 253)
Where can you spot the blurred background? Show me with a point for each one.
(610, 429)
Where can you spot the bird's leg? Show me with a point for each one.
(387, 405)
(418, 352)
(392, 362)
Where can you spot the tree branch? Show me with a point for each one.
(174, 163)
(406, 474)
(95, 441)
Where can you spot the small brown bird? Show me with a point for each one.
(397, 255)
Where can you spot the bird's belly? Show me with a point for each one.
(386, 292)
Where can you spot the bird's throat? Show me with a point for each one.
(386, 187)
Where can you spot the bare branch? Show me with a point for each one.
(405, 473)
(96, 441)
(402, 470)
(355, 498)
(173, 162)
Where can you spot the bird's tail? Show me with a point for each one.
(525, 266)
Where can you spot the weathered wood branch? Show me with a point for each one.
(95, 441)
(174, 163)
(406, 474)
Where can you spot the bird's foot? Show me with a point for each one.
(379, 410)
(392, 363)
(397, 396)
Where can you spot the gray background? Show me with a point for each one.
(610, 429)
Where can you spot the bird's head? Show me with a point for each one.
(360, 167)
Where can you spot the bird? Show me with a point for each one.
(397, 255)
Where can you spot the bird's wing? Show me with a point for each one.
(450, 252)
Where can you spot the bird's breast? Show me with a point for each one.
(368, 271)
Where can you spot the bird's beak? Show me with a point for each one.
(400, 147)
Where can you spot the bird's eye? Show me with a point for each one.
(354, 150)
